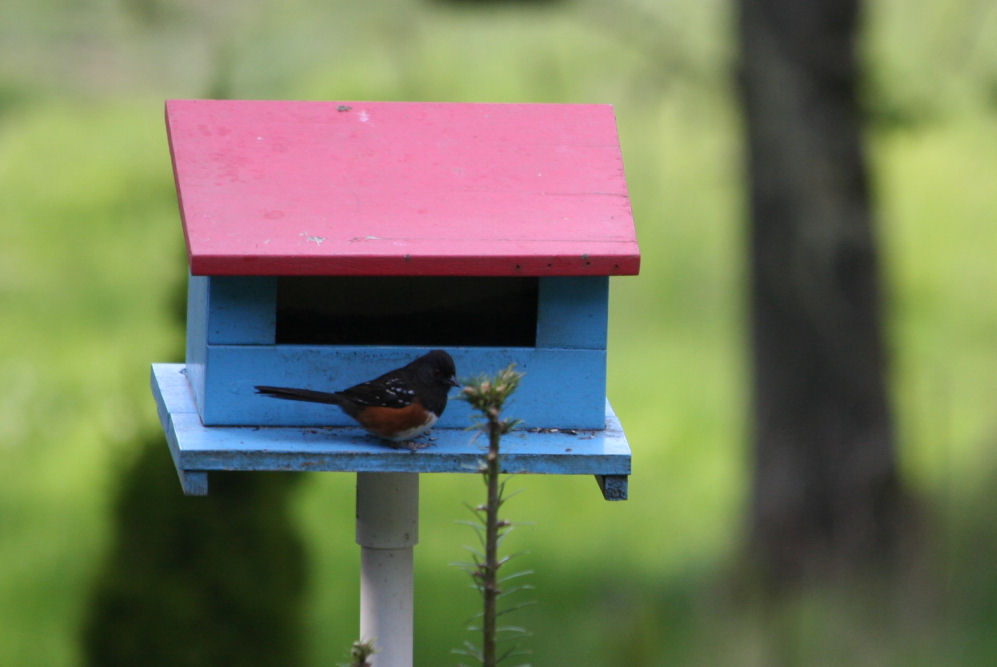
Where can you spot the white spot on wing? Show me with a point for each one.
(396, 387)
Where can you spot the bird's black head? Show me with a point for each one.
(437, 367)
(435, 373)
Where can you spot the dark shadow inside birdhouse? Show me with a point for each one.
(407, 310)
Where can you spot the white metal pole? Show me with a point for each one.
(387, 531)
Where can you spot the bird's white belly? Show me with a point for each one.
(416, 430)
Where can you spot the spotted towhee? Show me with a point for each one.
(398, 405)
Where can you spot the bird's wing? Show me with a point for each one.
(389, 391)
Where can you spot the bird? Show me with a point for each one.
(397, 406)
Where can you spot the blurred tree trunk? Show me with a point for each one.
(826, 496)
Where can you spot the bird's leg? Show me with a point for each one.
(411, 445)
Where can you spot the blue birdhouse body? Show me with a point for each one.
(235, 341)
(330, 243)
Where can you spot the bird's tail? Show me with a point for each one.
(292, 394)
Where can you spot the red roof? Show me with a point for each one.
(392, 188)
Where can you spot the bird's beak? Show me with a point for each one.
(453, 382)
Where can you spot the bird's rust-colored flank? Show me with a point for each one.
(397, 423)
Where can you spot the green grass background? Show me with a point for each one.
(91, 254)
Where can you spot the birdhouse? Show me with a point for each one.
(331, 242)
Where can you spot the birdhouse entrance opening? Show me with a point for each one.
(407, 310)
